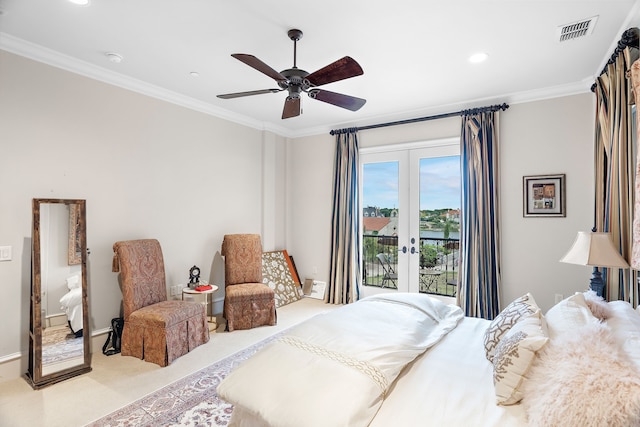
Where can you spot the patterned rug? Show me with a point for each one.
(60, 344)
(191, 401)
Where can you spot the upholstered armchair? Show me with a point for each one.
(156, 330)
(247, 302)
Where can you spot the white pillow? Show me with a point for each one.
(518, 309)
(569, 315)
(514, 355)
(624, 323)
(596, 304)
(73, 282)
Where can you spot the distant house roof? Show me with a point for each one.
(374, 223)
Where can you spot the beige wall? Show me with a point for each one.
(553, 136)
(148, 168)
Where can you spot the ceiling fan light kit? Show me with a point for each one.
(296, 81)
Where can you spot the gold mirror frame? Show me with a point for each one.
(75, 254)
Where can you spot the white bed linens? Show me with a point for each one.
(450, 385)
(335, 368)
(71, 303)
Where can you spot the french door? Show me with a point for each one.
(405, 190)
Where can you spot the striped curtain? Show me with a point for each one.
(615, 168)
(635, 255)
(344, 270)
(479, 276)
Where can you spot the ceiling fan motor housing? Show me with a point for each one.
(296, 81)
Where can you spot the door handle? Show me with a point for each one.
(403, 250)
(413, 250)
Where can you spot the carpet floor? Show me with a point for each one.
(191, 401)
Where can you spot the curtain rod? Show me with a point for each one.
(629, 38)
(503, 107)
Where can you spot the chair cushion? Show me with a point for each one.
(166, 313)
(249, 291)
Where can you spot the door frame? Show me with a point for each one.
(407, 282)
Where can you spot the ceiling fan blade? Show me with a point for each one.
(291, 107)
(249, 93)
(254, 62)
(338, 99)
(341, 69)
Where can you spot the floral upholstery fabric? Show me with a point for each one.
(276, 273)
(247, 302)
(156, 330)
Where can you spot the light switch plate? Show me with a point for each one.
(5, 253)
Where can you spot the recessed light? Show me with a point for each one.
(80, 2)
(194, 74)
(478, 57)
(114, 57)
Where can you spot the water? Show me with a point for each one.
(434, 234)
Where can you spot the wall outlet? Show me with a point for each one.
(559, 298)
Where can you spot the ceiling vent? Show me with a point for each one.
(576, 29)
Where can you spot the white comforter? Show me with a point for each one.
(71, 303)
(336, 368)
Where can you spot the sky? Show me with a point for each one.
(439, 184)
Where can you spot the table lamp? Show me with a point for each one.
(595, 249)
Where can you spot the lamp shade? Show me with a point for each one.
(595, 249)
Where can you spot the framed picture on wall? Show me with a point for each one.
(544, 196)
(75, 248)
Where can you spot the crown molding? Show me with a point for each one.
(56, 59)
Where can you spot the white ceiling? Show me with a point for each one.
(414, 52)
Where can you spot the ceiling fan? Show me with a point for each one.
(296, 81)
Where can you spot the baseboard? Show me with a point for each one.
(15, 365)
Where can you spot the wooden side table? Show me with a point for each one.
(208, 295)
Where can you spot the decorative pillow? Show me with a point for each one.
(514, 355)
(583, 379)
(569, 315)
(624, 323)
(519, 308)
(596, 304)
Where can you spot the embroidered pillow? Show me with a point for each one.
(569, 315)
(519, 308)
(514, 355)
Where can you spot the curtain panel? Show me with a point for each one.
(344, 269)
(615, 168)
(635, 254)
(479, 276)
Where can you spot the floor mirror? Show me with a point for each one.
(59, 346)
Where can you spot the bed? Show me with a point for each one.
(576, 365)
(71, 304)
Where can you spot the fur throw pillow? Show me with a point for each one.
(598, 306)
(583, 379)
